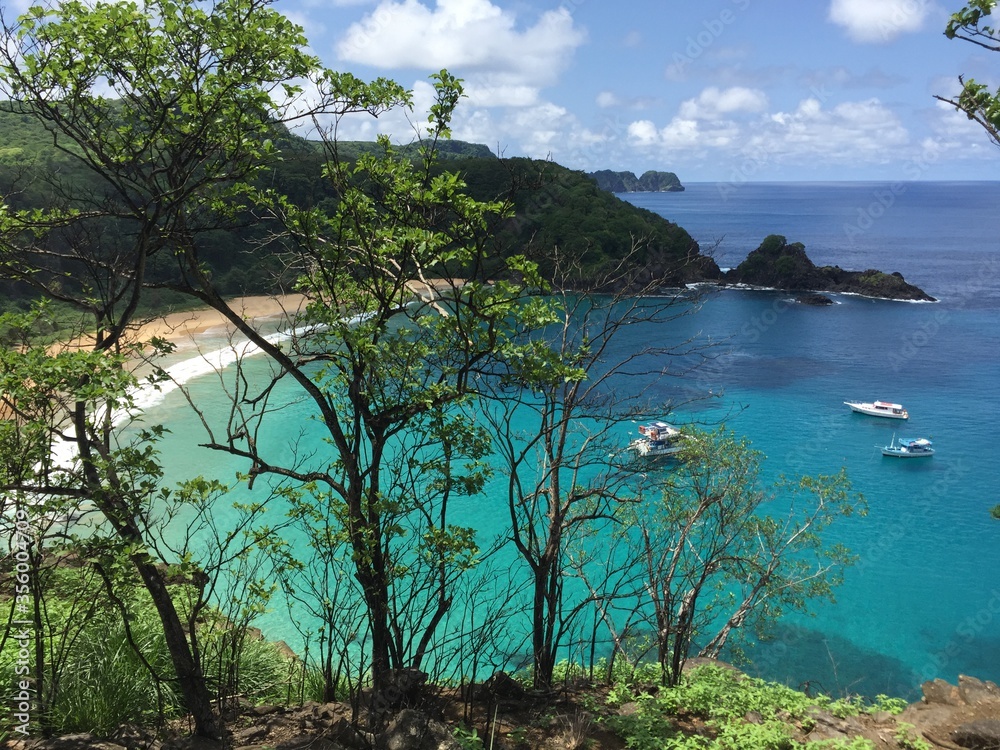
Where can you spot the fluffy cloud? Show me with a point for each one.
(853, 132)
(475, 39)
(877, 21)
(860, 131)
(713, 102)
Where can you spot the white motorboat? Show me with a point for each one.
(908, 448)
(658, 439)
(879, 409)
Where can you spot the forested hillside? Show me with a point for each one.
(555, 208)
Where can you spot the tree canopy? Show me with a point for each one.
(973, 24)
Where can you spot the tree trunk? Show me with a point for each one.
(381, 637)
(189, 674)
(541, 641)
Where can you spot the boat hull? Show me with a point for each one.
(643, 448)
(892, 453)
(873, 411)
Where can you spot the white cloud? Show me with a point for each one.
(879, 21)
(713, 102)
(492, 91)
(643, 133)
(855, 133)
(606, 99)
(475, 39)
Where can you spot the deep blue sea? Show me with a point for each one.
(924, 599)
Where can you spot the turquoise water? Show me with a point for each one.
(924, 599)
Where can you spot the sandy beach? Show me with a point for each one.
(182, 327)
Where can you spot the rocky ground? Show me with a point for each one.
(956, 717)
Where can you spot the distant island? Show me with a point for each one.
(627, 182)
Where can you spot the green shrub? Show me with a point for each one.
(723, 698)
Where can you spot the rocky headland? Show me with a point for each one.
(626, 182)
(778, 264)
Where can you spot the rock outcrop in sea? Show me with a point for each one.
(778, 264)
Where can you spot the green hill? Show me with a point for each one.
(555, 208)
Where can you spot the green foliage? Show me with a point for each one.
(721, 554)
(977, 100)
(995, 512)
(97, 681)
(771, 734)
(908, 738)
(723, 698)
(717, 693)
(785, 266)
(468, 739)
(872, 278)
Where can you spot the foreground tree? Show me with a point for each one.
(392, 355)
(716, 553)
(976, 100)
(557, 411)
(401, 321)
(168, 107)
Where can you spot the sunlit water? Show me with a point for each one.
(924, 599)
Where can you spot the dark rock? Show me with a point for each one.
(777, 264)
(193, 742)
(414, 730)
(344, 733)
(628, 709)
(983, 734)
(265, 710)
(814, 299)
(401, 688)
(975, 692)
(307, 741)
(501, 686)
(830, 727)
(249, 735)
(626, 182)
(939, 691)
(84, 741)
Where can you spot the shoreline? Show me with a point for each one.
(204, 341)
(183, 328)
(186, 326)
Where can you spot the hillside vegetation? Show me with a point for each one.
(555, 208)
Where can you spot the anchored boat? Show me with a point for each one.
(879, 409)
(908, 448)
(658, 439)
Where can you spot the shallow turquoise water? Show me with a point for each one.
(924, 599)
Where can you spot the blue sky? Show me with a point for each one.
(729, 90)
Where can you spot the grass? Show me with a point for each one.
(99, 682)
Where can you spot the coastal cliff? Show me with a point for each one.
(779, 264)
(626, 182)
